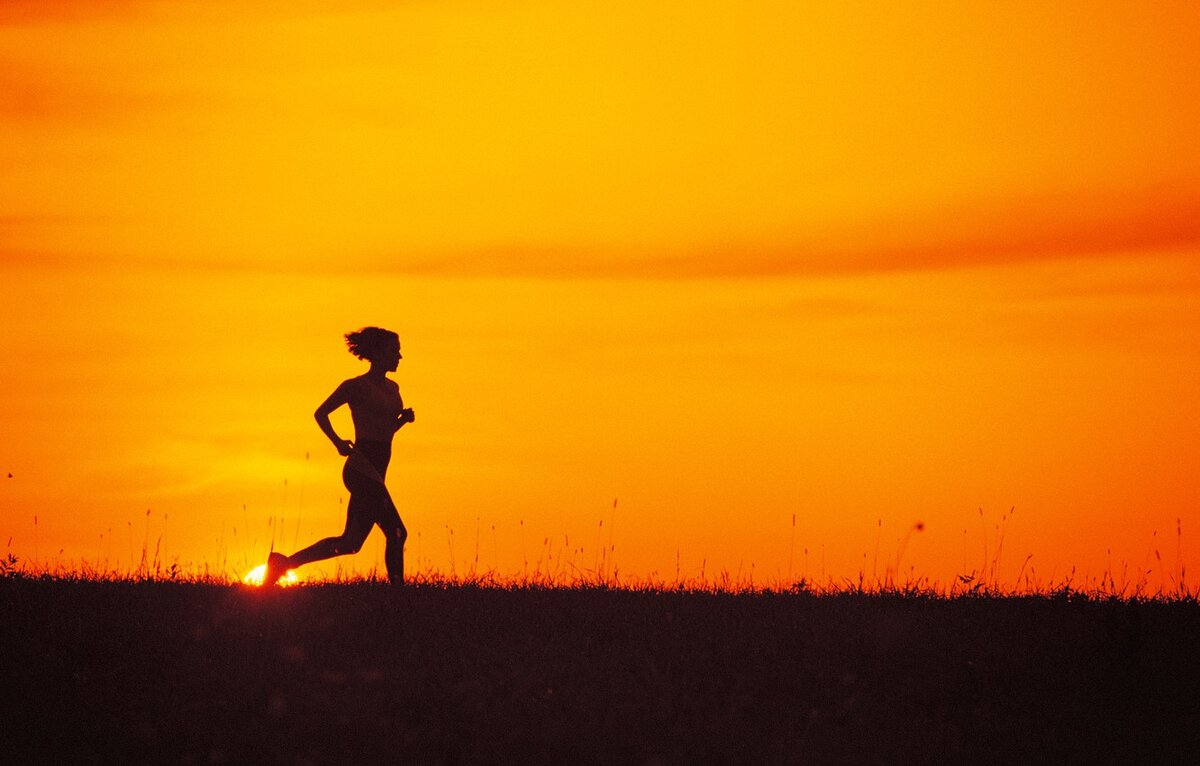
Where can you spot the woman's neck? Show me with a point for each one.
(377, 373)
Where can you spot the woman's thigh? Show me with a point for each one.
(370, 503)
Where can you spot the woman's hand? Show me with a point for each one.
(345, 447)
(406, 416)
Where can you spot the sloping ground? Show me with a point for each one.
(194, 673)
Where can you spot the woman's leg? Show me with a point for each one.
(358, 526)
(393, 552)
(377, 505)
(384, 513)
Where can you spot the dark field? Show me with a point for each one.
(191, 673)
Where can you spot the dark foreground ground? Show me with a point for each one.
(187, 673)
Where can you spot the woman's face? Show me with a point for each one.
(389, 356)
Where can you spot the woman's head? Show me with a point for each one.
(375, 345)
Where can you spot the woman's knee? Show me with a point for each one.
(399, 534)
(350, 543)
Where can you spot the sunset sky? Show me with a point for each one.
(728, 264)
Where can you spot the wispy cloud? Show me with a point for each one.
(253, 137)
(1014, 232)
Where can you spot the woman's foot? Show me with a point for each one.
(277, 567)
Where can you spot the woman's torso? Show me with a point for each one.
(375, 404)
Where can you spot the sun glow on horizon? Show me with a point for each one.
(255, 577)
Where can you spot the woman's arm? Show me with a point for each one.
(340, 396)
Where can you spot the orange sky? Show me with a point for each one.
(724, 262)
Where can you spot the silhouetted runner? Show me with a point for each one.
(378, 413)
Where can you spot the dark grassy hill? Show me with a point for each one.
(196, 673)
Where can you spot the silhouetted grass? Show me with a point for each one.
(439, 672)
(559, 564)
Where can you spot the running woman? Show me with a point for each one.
(378, 413)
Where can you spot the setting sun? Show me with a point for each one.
(255, 576)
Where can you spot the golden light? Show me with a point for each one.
(255, 576)
(733, 265)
